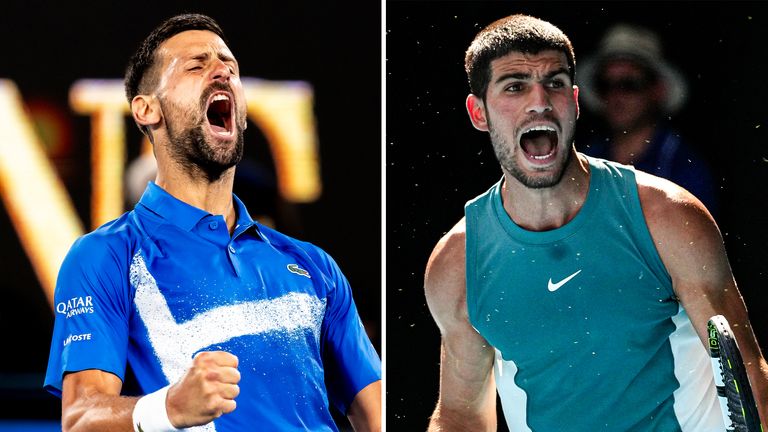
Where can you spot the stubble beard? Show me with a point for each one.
(191, 147)
(506, 157)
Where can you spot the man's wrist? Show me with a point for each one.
(151, 415)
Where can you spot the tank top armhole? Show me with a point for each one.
(646, 243)
(474, 210)
(470, 257)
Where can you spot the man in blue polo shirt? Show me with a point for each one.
(228, 325)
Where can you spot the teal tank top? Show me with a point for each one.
(588, 332)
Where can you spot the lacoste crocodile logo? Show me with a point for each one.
(294, 268)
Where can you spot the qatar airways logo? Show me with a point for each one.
(75, 306)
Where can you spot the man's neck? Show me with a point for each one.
(215, 197)
(548, 208)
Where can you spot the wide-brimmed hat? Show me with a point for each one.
(635, 43)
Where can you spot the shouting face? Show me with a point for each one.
(530, 111)
(202, 102)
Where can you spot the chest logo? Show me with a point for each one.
(294, 268)
(552, 287)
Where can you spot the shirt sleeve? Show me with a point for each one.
(91, 308)
(351, 363)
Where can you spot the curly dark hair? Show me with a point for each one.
(521, 33)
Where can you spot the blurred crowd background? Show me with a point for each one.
(715, 138)
(324, 57)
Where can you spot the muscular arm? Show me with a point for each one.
(691, 247)
(365, 411)
(467, 399)
(91, 401)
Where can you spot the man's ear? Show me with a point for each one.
(146, 110)
(477, 114)
(576, 99)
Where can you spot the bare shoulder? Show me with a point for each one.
(444, 280)
(447, 258)
(665, 204)
(684, 232)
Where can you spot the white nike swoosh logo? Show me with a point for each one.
(556, 286)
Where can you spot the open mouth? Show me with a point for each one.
(219, 114)
(539, 143)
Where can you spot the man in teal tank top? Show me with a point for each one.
(578, 288)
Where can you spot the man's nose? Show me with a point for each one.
(539, 101)
(220, 71)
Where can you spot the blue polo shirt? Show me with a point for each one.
(166, 281)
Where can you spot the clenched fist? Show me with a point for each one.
(206, 391)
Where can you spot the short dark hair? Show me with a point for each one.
(137, 79)
(521, 33)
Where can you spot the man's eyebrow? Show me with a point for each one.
(200, 57)
(557, 72)
(526, 75)
(222, 56)
(226, 58)
(513, 75)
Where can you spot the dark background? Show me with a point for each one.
(436, 161)
(335, 46)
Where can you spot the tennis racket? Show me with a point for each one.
(733, 389)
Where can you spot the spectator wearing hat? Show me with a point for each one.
(632, 87)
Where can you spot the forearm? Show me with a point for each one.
(445, 419)
(467, 400)
(365, 411)
(758, 378)
(99, 412)
(757, 369)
